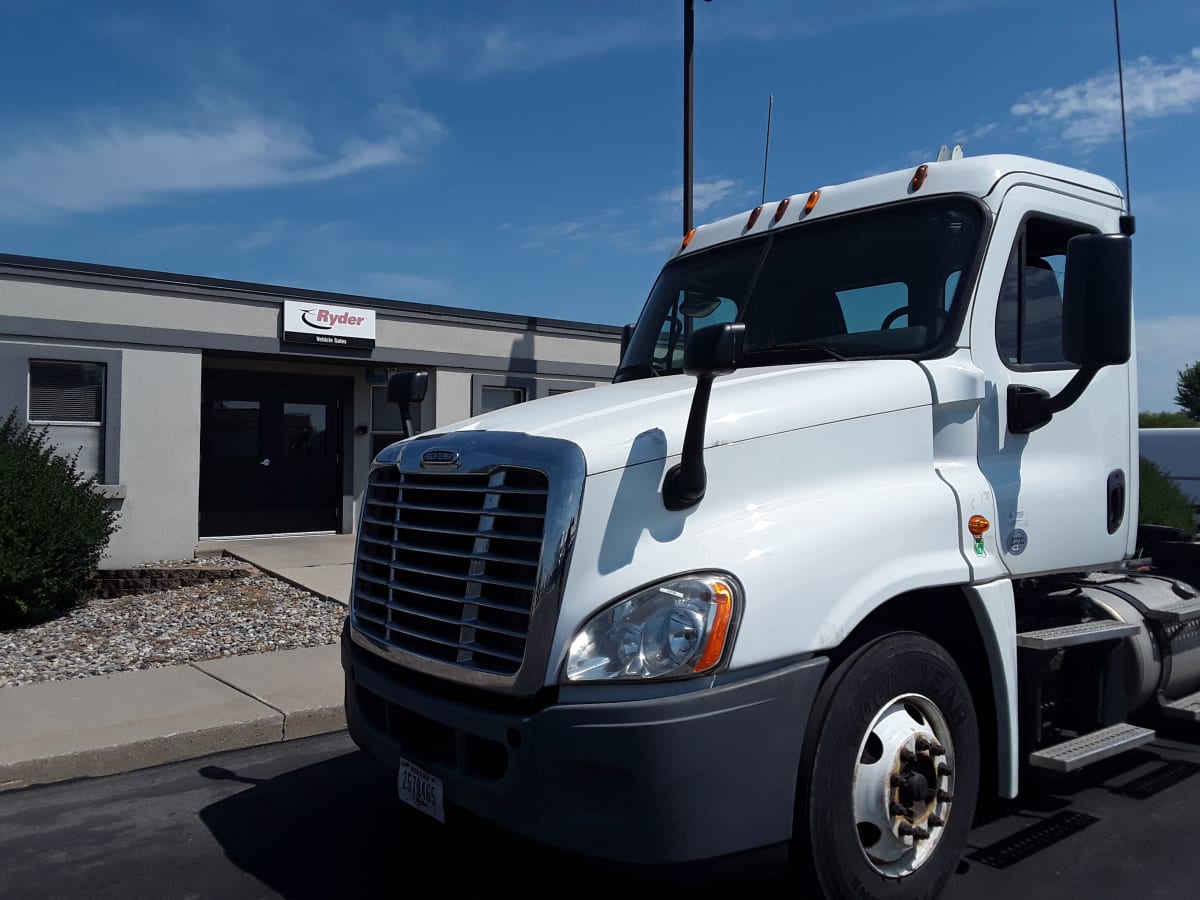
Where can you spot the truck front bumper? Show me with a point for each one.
(667, 778)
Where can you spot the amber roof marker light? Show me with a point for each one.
(754, 214)
(687, 239)
(811, 203)
(918, 178)
(781, 208)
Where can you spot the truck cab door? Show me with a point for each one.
(1066, 491)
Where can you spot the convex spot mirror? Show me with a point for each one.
(714, 350)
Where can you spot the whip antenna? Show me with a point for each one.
(767, 150)
(1128, 225)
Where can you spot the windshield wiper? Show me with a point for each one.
(798, 347)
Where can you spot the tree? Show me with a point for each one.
(1187, 395)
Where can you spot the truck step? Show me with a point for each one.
(1089, 748)
(1184, 611)
(1183, 708)
(1071, 635)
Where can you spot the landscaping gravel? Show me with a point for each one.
(254, 614)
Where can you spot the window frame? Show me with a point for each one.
(20, 355)
(1018, 249)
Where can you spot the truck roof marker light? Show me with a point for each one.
(812, 202)
(978, 525)
(918, 178)
(719, 633)
(754, 214)
(687, 239)
(781, 208)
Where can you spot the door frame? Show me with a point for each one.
(342, 386)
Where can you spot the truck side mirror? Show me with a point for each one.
(1098, 300)
(626, 337)
(711, 351)
(1097, 310)
(405, 389)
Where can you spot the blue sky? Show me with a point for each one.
(525, 157)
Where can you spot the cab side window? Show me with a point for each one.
(1029, 314)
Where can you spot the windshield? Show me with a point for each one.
(882, 282)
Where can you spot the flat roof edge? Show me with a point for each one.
(114, 275)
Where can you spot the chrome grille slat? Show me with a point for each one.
(468, 511)
(458, 645)
(501, 490)
(448, 564)
(477, 624)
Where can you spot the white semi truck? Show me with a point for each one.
(843, 548)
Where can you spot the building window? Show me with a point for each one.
(494, 398)
(68, 399)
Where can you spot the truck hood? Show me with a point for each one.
(619, 425)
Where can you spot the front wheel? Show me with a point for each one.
(891, 771)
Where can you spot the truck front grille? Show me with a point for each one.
(448, 564)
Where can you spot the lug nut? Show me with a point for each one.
(896, 809)
(936, 750)
(944, 796)
(944, 770)
(906, 755)
(896, 781)
(936, 821)
(922, 745)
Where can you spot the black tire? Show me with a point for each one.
(876, 704)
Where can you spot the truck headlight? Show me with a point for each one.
(670, 629)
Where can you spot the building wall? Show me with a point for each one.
(160, 459)
(157, 335)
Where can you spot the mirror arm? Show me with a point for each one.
(686, 482)
(1030, 408)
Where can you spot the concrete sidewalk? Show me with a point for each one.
(85, 727)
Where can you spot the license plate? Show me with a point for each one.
(420, 790)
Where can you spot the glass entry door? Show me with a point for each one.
(270, 461)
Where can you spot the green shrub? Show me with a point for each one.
(1166, 420)
(1162, 502)
(53, 526)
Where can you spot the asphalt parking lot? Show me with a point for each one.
(315, 818)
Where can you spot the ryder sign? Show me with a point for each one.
(310, 322)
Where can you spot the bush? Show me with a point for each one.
(1162, 502)
(1166, 420)
(53, 526)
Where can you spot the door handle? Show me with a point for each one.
(265, 462)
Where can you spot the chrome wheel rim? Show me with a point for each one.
(903, 787)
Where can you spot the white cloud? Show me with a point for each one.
(705, 194)
(1089, 112)
(98, 167)
(1164, 347)
(263, 236)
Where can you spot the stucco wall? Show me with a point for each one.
(159, 462)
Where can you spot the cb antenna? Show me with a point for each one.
(767, 150)
(1128, 223)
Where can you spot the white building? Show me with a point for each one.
(211, 408)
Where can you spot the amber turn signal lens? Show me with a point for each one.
(977, 525)
(720, 628)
